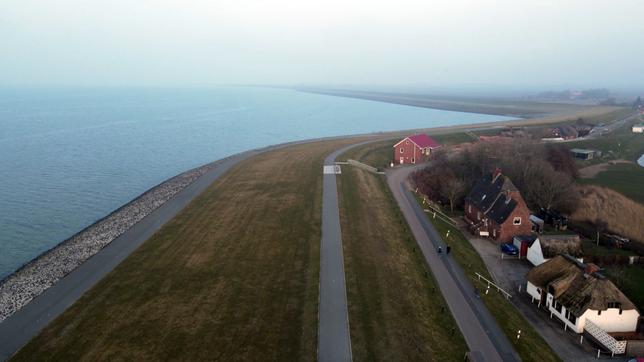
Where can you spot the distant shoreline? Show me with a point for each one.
(488, 106)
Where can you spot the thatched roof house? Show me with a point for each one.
(575, 291)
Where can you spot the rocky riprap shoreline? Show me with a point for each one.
(19, 288)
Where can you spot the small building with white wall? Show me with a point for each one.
(545, 247)
(576, 293)
(638, 128)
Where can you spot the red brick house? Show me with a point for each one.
(495, 208)
(416, 148)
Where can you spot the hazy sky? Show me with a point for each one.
(435, 43)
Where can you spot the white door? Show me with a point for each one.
(402, 160)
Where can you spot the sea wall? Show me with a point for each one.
(33, 278)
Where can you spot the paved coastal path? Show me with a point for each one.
(19, 328)
(334, 341)
(482, 334)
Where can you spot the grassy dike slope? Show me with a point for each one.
(233, 277)
(395, 308)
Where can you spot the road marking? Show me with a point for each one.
(332, 170)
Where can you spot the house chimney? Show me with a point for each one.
(591, 268)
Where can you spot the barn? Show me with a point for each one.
(414, 149)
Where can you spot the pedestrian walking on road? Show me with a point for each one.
(440, 249)
(448, 249)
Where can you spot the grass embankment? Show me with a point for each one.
(377, 154)
(622, 215)
(396, 311)
(531, 347)
(233, 277)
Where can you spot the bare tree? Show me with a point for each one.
(453, 189)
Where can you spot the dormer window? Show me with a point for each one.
(516, 221)
(614, 305)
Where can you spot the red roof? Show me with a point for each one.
(424, 141)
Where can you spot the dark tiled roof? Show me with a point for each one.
(490, 196)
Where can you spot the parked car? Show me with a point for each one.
(509, 249)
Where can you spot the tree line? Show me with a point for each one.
(544, 174)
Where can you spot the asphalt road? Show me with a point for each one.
(334, 340)
(482, 334)
(27, 322)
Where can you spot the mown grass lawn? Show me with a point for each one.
(395, 306)
(234, 276)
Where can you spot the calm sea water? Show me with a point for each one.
(71, 156)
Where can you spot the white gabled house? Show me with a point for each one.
(638, 128)
(576, 293)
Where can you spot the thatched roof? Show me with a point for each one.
(575, 289)
(553, 245)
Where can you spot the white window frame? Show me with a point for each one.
(516, 221)
(402, 150)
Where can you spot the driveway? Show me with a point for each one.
(509, 273)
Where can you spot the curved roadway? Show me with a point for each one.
(484, 337)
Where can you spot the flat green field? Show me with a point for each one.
(625, 178)
(396, 311)
(233, 277)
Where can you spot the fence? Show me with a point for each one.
(490, 283)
